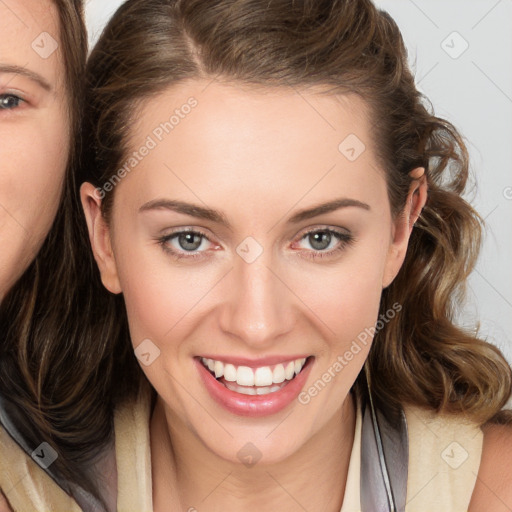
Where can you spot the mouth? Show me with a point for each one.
(252, 389)
(261, 380)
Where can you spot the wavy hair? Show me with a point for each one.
(86, 366)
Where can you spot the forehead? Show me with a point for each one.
(255, 141)
(29, 38)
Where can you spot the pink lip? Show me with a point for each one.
(254, 363)
(254, 405)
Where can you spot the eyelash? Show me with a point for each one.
(5, 96)
(345, 240)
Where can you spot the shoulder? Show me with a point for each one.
(493, 487)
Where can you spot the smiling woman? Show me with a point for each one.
(288, 285)
(281, 269)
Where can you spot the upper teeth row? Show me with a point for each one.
(262, 376)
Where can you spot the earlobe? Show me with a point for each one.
(403, 225)
(99, 236)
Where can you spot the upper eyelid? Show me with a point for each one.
(26, 95)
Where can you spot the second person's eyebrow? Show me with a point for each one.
(31, 75)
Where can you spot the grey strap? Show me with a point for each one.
(384, 460)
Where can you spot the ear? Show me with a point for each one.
(404, 223)
(99, 236)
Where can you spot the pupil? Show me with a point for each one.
(9, 102)
(188, 238)
(316, 240)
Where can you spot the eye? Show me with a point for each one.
(185, 244)
(9, 101)
(180, 243)
(322, 239)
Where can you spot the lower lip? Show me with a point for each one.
(254, 405)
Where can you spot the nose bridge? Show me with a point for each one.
(258, 307)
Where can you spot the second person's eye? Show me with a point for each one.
(9, 101)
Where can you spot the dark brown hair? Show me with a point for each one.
(42, 306)
(345, 46)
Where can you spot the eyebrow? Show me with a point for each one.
(219, 217)
(31, 75)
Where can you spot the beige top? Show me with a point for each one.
(444, 458)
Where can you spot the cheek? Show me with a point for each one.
(347, 297)
(158, 294)
(163, 298)
(33, 158)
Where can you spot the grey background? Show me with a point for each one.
(473, 90)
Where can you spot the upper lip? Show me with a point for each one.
(255, 363)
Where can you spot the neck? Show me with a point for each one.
(188, 476)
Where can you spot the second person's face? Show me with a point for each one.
(34, 131)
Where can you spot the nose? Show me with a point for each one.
(259, 308)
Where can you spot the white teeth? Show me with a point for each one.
(230, 372)
(252, 390)
(244, 376)
(289, 370)
(260, 377)
(278, 376)
(263, 376)
(219, 369)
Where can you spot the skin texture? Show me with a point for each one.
(34, 134)
(259, 156)
(493, 487)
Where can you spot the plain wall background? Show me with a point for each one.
(472, 88)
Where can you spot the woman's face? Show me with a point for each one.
(33, 129)
(249, 171)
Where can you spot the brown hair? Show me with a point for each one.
(41, 307)
(420, 356)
